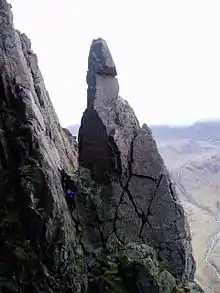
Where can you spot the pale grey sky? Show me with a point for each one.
(167, 53)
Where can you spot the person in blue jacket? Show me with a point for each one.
(69, 188)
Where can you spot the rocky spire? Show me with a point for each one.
(137, 201)
(110, 116)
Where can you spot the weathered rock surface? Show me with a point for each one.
(100, 59)
(37, 233)
(126, 205)
(136, 200)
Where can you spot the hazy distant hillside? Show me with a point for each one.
(74, 129)
(203, 130)
(199, 130)
(192, 155)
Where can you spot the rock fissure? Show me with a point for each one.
(126, 187)
(116, 218)
(115, 154)
(151, 201)
(99, 226)
(145, 177)
(171, 191)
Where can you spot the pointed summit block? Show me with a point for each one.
(100, 59)
(137, 201)
(5, 6)
(107, 115)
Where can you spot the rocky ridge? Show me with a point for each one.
(128, 232)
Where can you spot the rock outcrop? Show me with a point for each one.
(38, 235)
(136, 200)
(128, 233)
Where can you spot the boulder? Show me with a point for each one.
(100, 59)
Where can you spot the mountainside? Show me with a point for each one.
(192, 155)
(114, 224)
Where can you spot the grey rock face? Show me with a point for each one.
(39, 233)
(73, 143)
(100, 59)
(136, 200)
(144, 146)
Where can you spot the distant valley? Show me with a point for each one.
(192, 155)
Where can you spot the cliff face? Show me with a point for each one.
(37, 232)
(128, 232)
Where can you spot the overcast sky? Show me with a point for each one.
(167, 53)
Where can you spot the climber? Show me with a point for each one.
(70, 194)
(69, 188)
